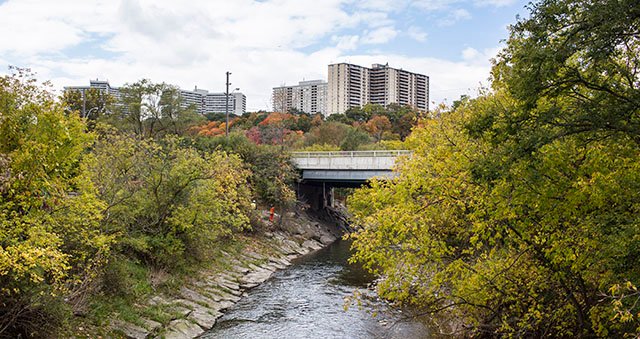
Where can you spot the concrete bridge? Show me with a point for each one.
(322, 171)
(346, 166)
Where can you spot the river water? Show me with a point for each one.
(307, 301)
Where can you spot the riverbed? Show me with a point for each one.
(307, 300)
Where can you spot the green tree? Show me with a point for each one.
(272, 173)
(153, 110)
(51, 245)
(91, 103)
(517, 214)
(168, 204)
(354, 139)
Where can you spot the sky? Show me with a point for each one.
(263, 43)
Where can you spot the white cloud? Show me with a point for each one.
(263, 43)
(346, 42)
(454, 16)
(417, 34)
(494, 3)
(382, 5)
(380, 35)
(471, 55)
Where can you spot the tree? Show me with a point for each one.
(51, 245)
(331, 133)
(169, 205)
(153, 110)
(586, 64)
(517, 213)
(354, 139)
(272, 173)
(341, 118)
(377, 126)
(91, 103)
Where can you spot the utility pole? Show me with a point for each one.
(226, 108)
(84, 104)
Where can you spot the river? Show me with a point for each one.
(307, 301)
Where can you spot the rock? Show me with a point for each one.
(182, 329)
(257, 277)
(130, 330)
(269, 267)
(197, 297)
(327, 239)
(205, 319)
(189, 304)
(249, 285)
(312, 244)
(254, 255)
(157, 300)
(282, 261)
(228, 284)
(182, 311)
(151, 325)
(223, 305)
(277, 266)
(253, 268)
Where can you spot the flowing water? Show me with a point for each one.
(307, 301)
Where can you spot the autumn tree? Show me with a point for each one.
(377, 126)
(51, 245)
(517, 214)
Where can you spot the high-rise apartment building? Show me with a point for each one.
(307, 96)
(203, 101)
(206, 102)
(354, 86)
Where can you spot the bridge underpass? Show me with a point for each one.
(323, 171)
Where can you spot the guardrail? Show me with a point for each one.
(351, 154)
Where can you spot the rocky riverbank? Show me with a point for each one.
(199, 302)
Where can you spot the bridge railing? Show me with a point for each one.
(351, 154)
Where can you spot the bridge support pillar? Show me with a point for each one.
(318, 196)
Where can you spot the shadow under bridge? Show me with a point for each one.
(322, 171)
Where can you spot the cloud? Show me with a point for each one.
(454, 16)
(471, 55)
(382, 5)
(494, 3)
(346, 42)
(263, 43)
(417, 34)
(380, 35)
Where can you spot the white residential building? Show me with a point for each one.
(354, 86)
(307, 96)
(206, 102)
(202, 100)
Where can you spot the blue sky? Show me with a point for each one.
(263, 43)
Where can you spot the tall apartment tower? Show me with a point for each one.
(354, 86)
(308, 96)
(206, 102)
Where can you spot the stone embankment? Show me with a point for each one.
(199, 303)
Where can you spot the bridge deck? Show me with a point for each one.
(348, 160)
(351, 166)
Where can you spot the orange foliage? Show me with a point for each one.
(211, 129)
(276, 118)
